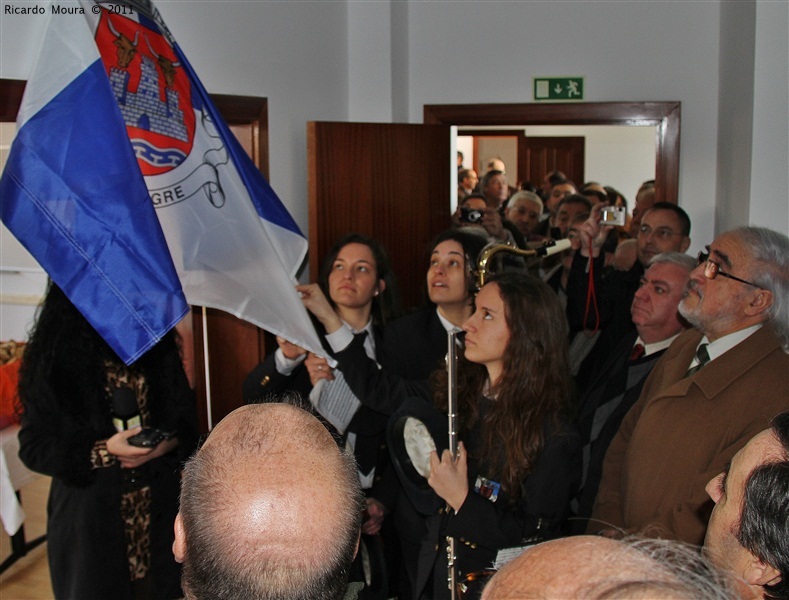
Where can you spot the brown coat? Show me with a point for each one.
(683, 431)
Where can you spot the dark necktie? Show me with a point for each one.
(638, 352)
(702, 356)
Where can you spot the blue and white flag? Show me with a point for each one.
(116, 130)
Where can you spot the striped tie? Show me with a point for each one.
(702, 356)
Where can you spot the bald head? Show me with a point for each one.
(598, 567)
(269, 502)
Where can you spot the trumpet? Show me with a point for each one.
(489, 251)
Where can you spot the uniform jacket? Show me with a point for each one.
(482, 527)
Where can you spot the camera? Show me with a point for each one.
(149, 438)
(613, 215)
(470, 215)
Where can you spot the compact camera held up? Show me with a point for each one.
(470, 215)
(613, 215)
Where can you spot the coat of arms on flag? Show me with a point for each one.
(129, 189)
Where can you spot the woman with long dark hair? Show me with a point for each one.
(111, 504)
(518, 462)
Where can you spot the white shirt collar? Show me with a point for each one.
(655, 346)
(445, 322)
(727, 342)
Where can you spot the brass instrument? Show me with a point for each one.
(489, 251)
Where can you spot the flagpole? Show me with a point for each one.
(207, 371)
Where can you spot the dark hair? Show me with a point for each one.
(490, 175)
(614, 194)
(534, 389)
(528, 186)
(556, 176)
(472, 245)
(575, 199)
(764, 522)
(684, 219)
(563, 181)
(386, 306)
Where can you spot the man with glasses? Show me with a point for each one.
(665, 228)
(717, 386)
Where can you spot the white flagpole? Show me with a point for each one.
(207, 371)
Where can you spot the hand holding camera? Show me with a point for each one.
(595, 230)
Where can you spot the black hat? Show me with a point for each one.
(414, 411)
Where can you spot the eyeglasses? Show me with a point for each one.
(661, 233)
(713, 269)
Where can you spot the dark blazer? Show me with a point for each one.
(413, 347)
(69, 413)
(608, 382)
(482, 527)
(683, 431)
(614, 291)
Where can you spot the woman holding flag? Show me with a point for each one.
(355, 297)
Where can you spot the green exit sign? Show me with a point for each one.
(558, 88)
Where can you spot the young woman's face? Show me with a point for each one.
(446, 277)
(353, 280)
(487, 332)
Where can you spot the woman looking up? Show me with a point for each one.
(518, 462)
(415, 345)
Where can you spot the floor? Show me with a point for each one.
(28, 578)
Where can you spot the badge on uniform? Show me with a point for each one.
(487, 488)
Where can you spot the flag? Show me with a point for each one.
(129, 189)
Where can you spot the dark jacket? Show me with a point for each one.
(85, 534)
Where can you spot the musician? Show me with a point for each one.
(413, 347)
(518, 461)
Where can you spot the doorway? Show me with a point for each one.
(663, 116)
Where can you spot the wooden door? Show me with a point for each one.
(387, 181)
(542, 155)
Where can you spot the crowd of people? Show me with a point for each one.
(615, 409)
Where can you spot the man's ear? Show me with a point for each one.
(760, 573)
(685, 244)
(179, 545)
(759, 303)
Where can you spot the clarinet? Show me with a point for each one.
(453, 448)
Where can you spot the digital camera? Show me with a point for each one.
(613, 215)
(470, 215)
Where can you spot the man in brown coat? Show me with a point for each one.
(717, 386)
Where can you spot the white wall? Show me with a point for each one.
(664, 51)
(382, 61)
(769, 201)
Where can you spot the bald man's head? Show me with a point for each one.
(270, 508)
(589, 567)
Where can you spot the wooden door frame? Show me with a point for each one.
(665, 116)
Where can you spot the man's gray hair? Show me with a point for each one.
(525, 195)
(770, 251)
(679, 259)
(221, 564)
(680, 572)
